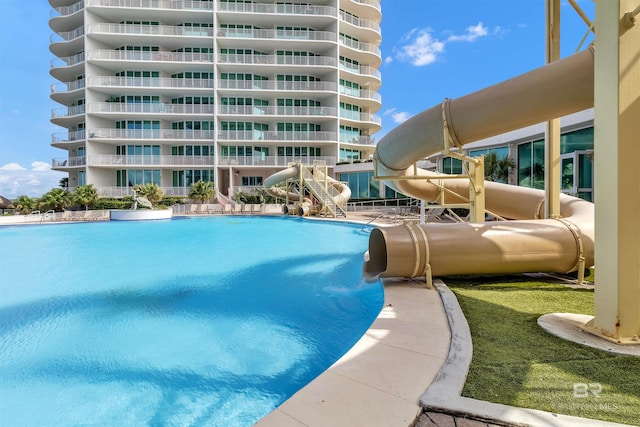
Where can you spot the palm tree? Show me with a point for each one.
(496, 168)
(85, 195)
(151, 191)
(57, 199)
(202, 191)
(24, 205)
(64, 182)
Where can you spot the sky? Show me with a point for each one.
(431, 50)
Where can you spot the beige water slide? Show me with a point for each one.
(340, 196)
(523, 244)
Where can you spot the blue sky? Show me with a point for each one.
(431, 49)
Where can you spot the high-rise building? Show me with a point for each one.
(229, 91)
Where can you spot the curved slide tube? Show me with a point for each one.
(306, 205)
(526, 244)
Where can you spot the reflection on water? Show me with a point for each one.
(176, 322)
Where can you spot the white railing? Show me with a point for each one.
(360, 140)
(67, 112)
(361, 93)
(277, 34)
(282, 161)
(159, 30)
(277, 85)
(361, 46)
(119, 192)
(277, 60)
(239, 135)
(68, 61)
(109, 133)
(68, 163)
(149, 160)
(359, 22)
(162, 56)
(72, 136)
(67, 35)
(360, 117)
(373, 3)
(159, 82)
(296, 9)
(67, 10)
(361, 70)
(160, 108)
(276, 110)
(154, 4)
(67, 86)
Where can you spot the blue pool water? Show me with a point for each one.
(202, 321)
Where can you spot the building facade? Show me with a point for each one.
(230, 91)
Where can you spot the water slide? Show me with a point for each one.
(523, 244)
(340, 192)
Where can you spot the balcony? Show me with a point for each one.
(160, 160)
(280, 9)
(161, 56)
(279, 161)
(360, 140)
(119, 192)
(66, 164)
(361, 70)
(360, 23)
(361, 94)
(67, 112)
(67, 10)
(277, 136)
(255, 110)
(149, 108)
(68, 61)
(277, 85)
(154, 82)
(153, 4)
(361, 46)
(360, 117)
(277, 34)
(114, 135)
(326, 61)
(154, 30)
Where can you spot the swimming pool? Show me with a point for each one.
(202, 321)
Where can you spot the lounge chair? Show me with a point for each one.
(228, 209)
(215, 209)
(256, 208)
(203, 209)
(193, 209)
(237, 208)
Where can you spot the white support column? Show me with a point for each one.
(617, 185)
(552, 134)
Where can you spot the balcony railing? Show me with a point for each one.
(359, 22)
(159, 30)
(68, 163)
(68, 112)
(281, 161)
(67, 35)
(361, 93)
(171, 134)
(67, 86)
(162, 56)
(150, 108)
(119, 192)
(256, 110)
(159, 160)
(277, 34)
(361, 70)
(248, 135)
(277, 60)
(154, 4)
(264, 8)
(158, 82)
(73, 136)
(373, 3)
(361, 140)
(68, 61)
(360, 117)
(67, 10)
(277, 85)
(361, 46)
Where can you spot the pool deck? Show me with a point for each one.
(379, 381)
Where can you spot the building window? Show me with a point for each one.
(361, 184)
(451, 166)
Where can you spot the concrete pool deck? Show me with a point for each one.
(379, 381)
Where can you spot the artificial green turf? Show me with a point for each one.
(515, 362)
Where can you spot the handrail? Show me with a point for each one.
(395, 218)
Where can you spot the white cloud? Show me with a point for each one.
(397, 116)
(388, 60)
(16, 180)
(422, 48)
(473, 32)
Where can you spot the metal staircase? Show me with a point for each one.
(314, 179)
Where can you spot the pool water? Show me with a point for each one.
(200, 321)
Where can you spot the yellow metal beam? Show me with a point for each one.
(552, 135)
